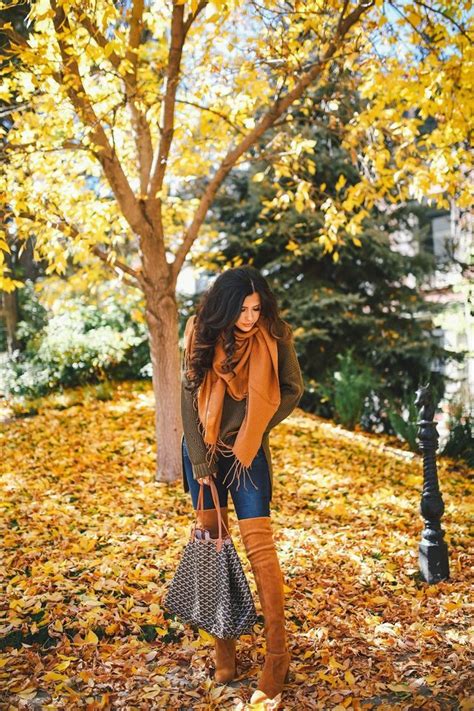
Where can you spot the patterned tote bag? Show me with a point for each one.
(209, 588)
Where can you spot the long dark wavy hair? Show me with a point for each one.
(218, 311)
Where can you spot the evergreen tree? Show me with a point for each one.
(367, 300)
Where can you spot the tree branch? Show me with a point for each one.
(72, 80)
(343, 12)
(172, 78)
(103, 254)
(140, 125)
(443, 13)
(7, 110)
(65, 146)
(118, 265)
(193, 15)
(63, 225)
(211, 111)
(136, 24)
(179, 31)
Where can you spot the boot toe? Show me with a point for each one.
(224, 677)
(274, 674)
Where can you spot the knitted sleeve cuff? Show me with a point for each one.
(202, 470)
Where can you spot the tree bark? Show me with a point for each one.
(162, 319)
(10, 314)
(10, 310)
(29, 268)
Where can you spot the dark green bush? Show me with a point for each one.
(460, 443)
(404, 421)
(349, 391)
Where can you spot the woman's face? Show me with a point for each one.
(250, 312)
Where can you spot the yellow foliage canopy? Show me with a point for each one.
(121, 115)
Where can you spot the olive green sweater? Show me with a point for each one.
(233, 412)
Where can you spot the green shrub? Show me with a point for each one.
(102, 391)
(460, 443)
(23, 407)
(78, 342)
(404, 421)
(34, 316)
(64, 400)
(348, 393)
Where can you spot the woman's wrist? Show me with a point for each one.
(202, 469)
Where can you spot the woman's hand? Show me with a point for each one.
(205, 480)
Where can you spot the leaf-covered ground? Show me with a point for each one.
(90, 541)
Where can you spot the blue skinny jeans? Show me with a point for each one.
(249, 502)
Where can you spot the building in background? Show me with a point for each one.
(451, 240)
(453, 286)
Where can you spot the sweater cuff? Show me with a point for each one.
(202, 470)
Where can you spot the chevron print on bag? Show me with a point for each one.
(209, 588)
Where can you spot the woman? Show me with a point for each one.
(241, 377)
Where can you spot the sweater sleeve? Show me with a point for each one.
(291, 383)
(194, 440)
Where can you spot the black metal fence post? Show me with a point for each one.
(433, 551)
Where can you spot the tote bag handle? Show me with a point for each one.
(200, 507)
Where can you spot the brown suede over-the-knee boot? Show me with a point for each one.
(224, 648)
(258, 540)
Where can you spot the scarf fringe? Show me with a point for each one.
(238, 470)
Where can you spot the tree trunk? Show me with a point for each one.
(10, 314)
(10, 308)
(162, 319)
(30, 268)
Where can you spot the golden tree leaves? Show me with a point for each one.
(90, 542)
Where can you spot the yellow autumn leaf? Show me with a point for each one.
(62, 665)
(399, 687)
(91, 638)
(349, 677)
(28, 693)
(452, 606)
(55, 676)
(341, 181)
(205, 637)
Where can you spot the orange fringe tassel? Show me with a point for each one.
(238, 470)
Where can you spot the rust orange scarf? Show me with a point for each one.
(255, 377)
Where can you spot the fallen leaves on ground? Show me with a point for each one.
(90, 542)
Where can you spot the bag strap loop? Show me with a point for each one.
(200, 507)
